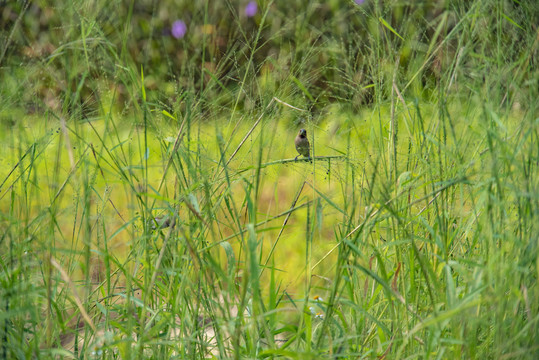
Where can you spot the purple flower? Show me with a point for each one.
(359, 2)
(179, 29)
(251, 8)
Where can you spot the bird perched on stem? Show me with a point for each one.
(302, 144)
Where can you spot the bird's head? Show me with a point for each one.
(303, 133)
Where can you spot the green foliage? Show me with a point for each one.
(150, 206)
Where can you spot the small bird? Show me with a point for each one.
(162, 222)
(302, 144)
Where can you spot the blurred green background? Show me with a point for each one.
(73, 57)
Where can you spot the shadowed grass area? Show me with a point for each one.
(151, 206)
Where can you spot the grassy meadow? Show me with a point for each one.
(151, 205)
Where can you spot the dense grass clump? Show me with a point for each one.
(151, 206)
